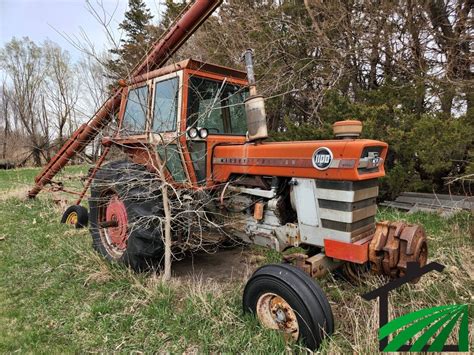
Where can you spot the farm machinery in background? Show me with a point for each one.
(205, 126)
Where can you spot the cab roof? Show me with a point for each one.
(190, 64)
(193, 64)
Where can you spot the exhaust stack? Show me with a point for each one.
(254, 105)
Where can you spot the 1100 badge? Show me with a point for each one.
(322, 158)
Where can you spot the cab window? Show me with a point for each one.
(166, 105)
(170, 155)
(134, 118)
(198, 152)
(217, 106)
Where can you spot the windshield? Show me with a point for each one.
(217, 106)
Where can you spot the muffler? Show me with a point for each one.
(254, 105)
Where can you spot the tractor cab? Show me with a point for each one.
(182, 111)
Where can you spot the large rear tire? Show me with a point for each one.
(286, 299)
(125, 210)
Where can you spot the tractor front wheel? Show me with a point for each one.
(76, 215)
(284, 298)
(125, 215)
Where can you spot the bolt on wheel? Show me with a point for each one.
(276, 313)
(113, 223)
(285, 298)
(76, 216)
(125, 215)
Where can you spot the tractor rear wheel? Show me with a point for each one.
(125, 210)
(285, 298)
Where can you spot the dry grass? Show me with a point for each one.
(18, 193)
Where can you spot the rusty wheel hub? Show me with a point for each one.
(116, 212)
(114, 225)
(394, 245)
(275, 313)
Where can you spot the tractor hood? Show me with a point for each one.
(348, 159)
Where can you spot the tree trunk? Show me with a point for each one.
(37, 156)
(418, 56)
(167, 210)
(6, 131)
(446, 99)
(454, 42)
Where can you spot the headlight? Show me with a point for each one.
(192, 132)
(203, 133)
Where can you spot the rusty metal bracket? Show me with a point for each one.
(299, 260)
(315, 266)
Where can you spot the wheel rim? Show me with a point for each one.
(114, 220)
(275, 313)
(72, 218)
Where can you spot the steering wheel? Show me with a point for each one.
(213, 129)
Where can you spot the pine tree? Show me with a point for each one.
(139, 35)
(173, 9)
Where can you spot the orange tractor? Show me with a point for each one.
(201, 129)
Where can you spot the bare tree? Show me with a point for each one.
(61, 89)
(4, 118)
(452, 32)
(24, 65)
(94, 83)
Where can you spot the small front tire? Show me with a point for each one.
(76, 215)
(285, 298)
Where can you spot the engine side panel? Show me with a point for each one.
(295, 159)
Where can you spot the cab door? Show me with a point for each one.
(165, 122)
(214, 104)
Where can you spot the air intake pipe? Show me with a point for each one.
(254, 105)
(349, 129)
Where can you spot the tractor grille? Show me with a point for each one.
(337, 210)
(348, 206)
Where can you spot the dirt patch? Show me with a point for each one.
(223, 266)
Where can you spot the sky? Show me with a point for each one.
(56, 19)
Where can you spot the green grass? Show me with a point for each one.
(24, 178)
(57, 295)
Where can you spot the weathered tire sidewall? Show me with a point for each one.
(311, 290)
(262, 285)
(144, 245)
(313, 322)
(318, 294)
(106, 174)
(97, 243)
